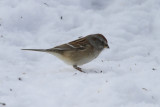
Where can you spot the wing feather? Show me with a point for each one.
(72, 46)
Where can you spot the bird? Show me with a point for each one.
(80, 51)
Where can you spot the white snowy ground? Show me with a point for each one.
(130, 68)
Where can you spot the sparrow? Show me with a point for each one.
(80, 51)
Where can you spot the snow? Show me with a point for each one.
(130, 74)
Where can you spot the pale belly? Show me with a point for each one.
(76, 61)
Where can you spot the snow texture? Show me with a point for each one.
(127, 74)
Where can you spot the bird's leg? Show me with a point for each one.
(77, 68)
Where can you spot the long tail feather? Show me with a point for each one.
(41, 50)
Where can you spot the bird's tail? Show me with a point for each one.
(41, 50)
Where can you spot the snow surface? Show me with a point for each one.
(130, 74)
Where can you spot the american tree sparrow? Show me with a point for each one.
(80, 51)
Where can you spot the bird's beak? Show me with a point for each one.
(106, 46)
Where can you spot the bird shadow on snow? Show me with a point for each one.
(93, 71)
(88, 71)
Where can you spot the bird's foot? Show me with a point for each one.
(78, 68)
